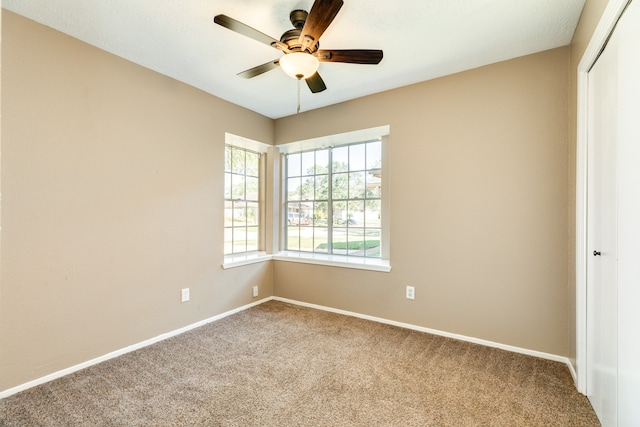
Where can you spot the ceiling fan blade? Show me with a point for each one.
(315, 83)
(260, 69)
(321, 15)
(245, 30)
(351, 56)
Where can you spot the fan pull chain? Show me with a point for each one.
(299, 78)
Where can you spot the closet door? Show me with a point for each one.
(602, 314)
(613, 226)
(628, 30)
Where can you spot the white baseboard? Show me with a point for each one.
(506, 347)
(120, 352)
(574, 374)
(67, 371)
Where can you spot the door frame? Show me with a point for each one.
(608, 21)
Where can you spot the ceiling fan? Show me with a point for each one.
(302, 53)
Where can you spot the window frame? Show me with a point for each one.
(328, 173)
(382, 264)
(258, 254)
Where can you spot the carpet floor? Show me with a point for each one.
(278, 364)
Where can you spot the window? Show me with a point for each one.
(242, 208)
(333, 200)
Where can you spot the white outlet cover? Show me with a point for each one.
(185, 295)
(411, 292)
(255, 291)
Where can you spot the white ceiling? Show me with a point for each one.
(421, 40)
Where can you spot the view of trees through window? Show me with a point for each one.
(241, 200)
(333, 200)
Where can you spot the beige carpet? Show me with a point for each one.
(282, 365)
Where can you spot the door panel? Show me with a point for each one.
(601, 238)
(629, 217)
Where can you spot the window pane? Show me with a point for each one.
(294, 187)
(228, 214)
(357, 157)
(322, 161)
(293, 238)
(322, 187)
(320, 239)
(228, 241)
(320, 214)
(374, 155)
(237, 187)
(339, 237)
(306, 214)
(340, 214)
(308, 167)
(237, 161)
(355, 213)
(306, 239)
(356, 242)
(293, 213)
(372, 243)
(253, 188)
(340, 186)
(239, 213)
(307, 188)
(372, 213)
(252, 238)
(356, 185)
(227, 159)
(253, 213)
(239, 239)
(227, 185)
(253, 164)
(293, 165)
(374, 184)
(340, 159)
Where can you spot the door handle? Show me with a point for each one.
(596, 253)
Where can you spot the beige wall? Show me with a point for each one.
(478, 194)
(111, 177)
(589, 19)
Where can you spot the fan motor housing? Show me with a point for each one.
(291, 37)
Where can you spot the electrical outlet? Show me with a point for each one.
(255, 291)
(411, 292)
(185, 295)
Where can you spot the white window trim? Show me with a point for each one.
(238, 260)
(359, 263)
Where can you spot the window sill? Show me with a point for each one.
(237, 260)
(373, 264)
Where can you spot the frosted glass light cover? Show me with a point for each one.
(298, 64)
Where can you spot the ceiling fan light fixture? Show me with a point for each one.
(299, 65)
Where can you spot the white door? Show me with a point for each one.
(628, 30)
(602, 314)
(613, 211)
